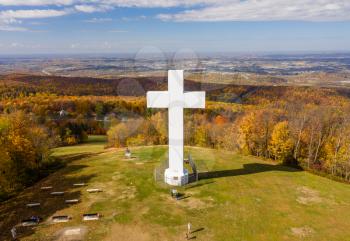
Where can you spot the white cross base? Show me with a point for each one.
(175, 99)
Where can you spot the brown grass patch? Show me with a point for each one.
(308, 196)
(302, 232)
(126, 232)
(128, 193)
(191, 202)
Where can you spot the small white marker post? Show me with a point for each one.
(175, 99)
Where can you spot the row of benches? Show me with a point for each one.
(34, 220)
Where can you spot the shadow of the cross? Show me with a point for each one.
(247, 169)
(197, 230)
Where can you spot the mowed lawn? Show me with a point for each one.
(239, 198)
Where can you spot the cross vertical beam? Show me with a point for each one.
(176, 100)
(176, 117)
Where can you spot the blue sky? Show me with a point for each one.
(115, 26)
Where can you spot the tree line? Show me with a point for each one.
(306, 127)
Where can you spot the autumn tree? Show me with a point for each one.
(255, 131)
(281, 143)
(25, 148)
(119, 134)
(159, 122)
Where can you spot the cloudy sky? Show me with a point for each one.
(114, 26)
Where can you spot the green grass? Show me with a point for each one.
(242, 198)
(94, 144)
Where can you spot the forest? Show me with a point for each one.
(307, 127)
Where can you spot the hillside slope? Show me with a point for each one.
(241, 198)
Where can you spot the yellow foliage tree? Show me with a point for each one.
(117, 135)
(281, 144)
(24, 147)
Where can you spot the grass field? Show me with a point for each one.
(240, 198)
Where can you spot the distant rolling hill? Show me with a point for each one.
(16, 84)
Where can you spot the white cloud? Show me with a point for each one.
(266, 10)
(98, 20)
(86, 8)
(10, 19)
(9, 28)
(159, 3)
(35, 2)
(137, 18)
(195, 10)
(35, 13)
(117, 3)
(92, 8)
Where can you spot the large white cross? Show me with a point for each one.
(175, 99)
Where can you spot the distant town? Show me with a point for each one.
(298, 69)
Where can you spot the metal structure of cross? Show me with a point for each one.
(175, 99)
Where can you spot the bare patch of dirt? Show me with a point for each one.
(130, 159)
(110, 189)
(117, 176)
(192, 202)
(141, 232)
(71, 234)
(128, 193)
(308, 196)
(302, 232)
(126, 232)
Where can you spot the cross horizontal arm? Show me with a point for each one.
(157, 99)
(195, 99)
